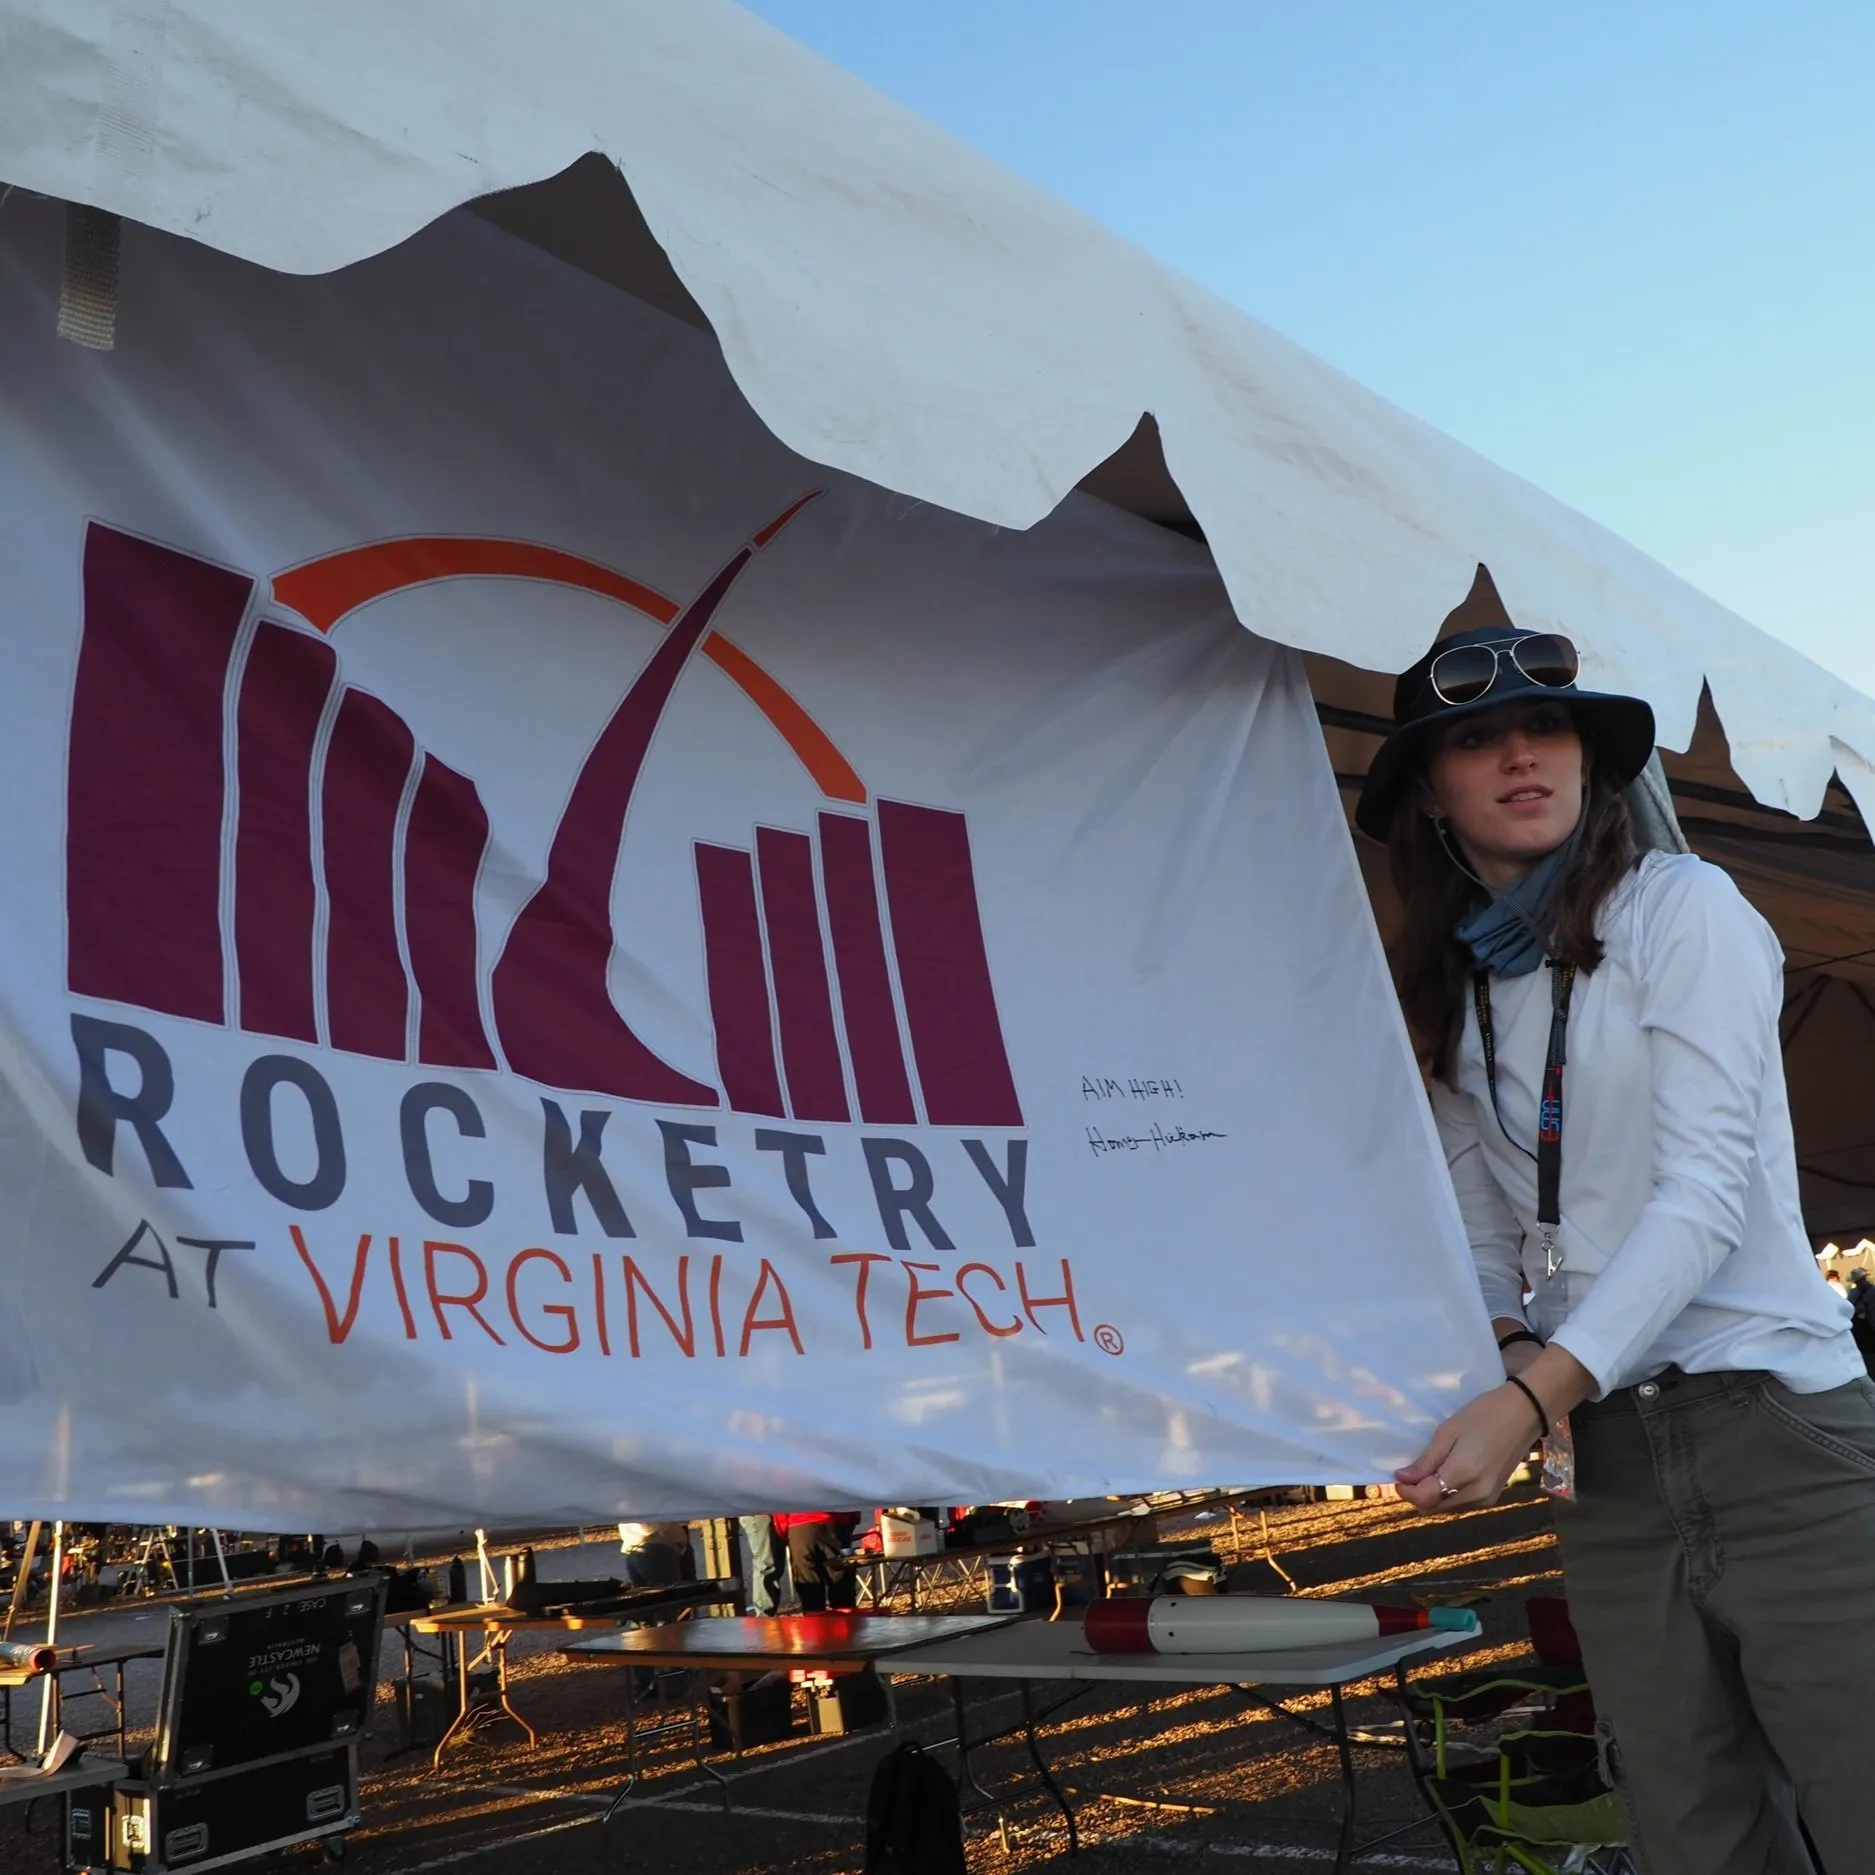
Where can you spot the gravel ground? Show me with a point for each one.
(1214, 1779)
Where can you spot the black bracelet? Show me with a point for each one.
(1516, 1335)
(1529, 1393)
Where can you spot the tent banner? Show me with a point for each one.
(561, 962)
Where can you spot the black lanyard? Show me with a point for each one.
(1548, 1154)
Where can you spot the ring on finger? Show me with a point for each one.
(1445, 1490)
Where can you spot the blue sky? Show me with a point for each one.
(1626, 250)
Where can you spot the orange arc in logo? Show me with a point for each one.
(326, 590)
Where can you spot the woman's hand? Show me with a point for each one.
(1469, 1459)
(1475, 1451)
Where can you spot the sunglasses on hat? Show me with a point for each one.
(1467, 672)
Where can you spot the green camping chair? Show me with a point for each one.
(1522, 1802)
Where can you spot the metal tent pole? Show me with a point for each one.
(22, 1583)
(49, 1692)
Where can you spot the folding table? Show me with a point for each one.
(833, 1644)
(12, 1680)
(500, 1623)
(96, 1661)
(25, 1784)
(1135, 1520)
(883, 1576)
(1032, 1651)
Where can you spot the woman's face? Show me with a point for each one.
(1509, 782)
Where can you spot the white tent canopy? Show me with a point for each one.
(893, 304)
(890, 302)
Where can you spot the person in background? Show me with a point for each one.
(1834, 1281)
(656, 1554)
(1719, 1545)
(1861, 1293)
(823, 1578)
(761, 1578)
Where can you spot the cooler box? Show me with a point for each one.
(1019, 1585)
(908, 1536)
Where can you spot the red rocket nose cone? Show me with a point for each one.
(1119, 1625)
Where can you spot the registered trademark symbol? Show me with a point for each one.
(1108, 1339)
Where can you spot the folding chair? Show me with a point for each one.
(1534, 1800)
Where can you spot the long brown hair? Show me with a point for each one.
(1431, 969)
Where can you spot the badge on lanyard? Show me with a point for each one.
(1558, 1477)
(1559, 1450)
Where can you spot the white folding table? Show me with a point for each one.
(1032, 1651)
(27, 1784)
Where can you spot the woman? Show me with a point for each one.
(1645, 1263)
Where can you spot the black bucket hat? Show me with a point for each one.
(1621, 728)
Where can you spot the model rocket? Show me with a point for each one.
(1250, 1624)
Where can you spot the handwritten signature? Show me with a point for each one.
(1158, 1138)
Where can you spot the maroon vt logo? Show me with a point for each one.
(846, 970)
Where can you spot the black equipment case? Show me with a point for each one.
(143, 1827)
(264, 1698)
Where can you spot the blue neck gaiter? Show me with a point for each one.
(1507, 935)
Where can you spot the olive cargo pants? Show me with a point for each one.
(1720, 1563)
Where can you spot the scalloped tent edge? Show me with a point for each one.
(891, 303)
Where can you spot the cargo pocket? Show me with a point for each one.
(1839, 1421)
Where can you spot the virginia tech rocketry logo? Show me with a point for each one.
(255, 842)
(329, 795)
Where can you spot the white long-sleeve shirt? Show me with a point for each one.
(1681, 1241)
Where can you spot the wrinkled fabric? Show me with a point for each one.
(960, 998)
